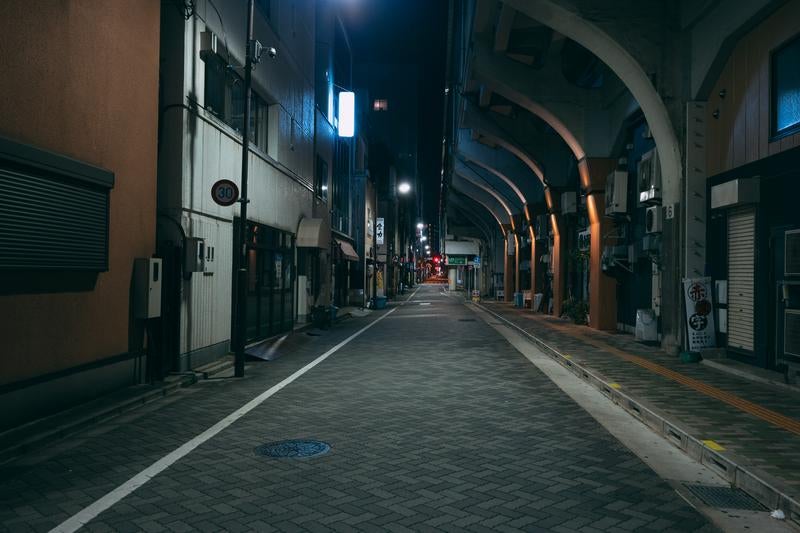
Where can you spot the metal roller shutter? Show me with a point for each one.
(741, 272)
(54, 211)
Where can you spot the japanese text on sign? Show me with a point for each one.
(379, 230)
(699, 313)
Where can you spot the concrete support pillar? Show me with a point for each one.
(559, 265)
(533, 265)
(602, 288)
(508, 270)
(516, 264)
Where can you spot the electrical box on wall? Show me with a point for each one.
(194, 255)
(653, 222)
(649, 178)
(147, 288)
(617, 193)
(569, 202)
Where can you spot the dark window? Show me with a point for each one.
(321, 178)
(215, 85)
(785, 103)
(225, 98)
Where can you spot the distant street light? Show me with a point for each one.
(423, 238)
(404, 188)
(420, 225)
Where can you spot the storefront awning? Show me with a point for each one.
(347, 250)
(313, 233)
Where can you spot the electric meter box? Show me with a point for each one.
(147, 276)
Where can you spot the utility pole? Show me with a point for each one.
(241, 279)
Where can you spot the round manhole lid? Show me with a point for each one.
(293, 448)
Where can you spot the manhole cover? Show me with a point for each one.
(725, 497)
(466, 320)
(293, 448)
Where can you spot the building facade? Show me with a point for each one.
(202, 108)
(78, 164)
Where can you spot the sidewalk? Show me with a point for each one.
(749, 431)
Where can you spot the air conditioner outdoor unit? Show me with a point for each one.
(653, 221)
(569, 202)
(584, 240)
(649, 178)
(617, 193)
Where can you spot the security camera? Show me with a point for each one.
(271, 52)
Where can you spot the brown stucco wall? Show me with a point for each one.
(80, 77)
(741, 133)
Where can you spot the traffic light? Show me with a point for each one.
(437, 259)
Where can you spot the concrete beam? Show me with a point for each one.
(544, 153)
(632, 46)
(504, 165)
(465, 175)
(482, 197)
(502, 31)
(484, 178)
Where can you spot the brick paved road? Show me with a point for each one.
(435, 423)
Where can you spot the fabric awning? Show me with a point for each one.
(347, 250)
(313, 233)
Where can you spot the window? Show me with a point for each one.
(215, 85)
(380, 105)
(321, 178)
(225, 99)
(785, 97)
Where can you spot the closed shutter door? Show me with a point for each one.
(741, 271)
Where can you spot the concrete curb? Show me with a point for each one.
(762, 487)
(39, 433)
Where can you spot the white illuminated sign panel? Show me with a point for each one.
(347, 114)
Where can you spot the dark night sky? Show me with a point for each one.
(409, 31)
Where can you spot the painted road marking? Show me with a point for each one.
(90, 512)
(713, 445)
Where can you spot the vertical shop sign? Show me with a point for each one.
(699, 313)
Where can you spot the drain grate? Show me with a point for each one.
(725, 497)
(466, 320)
(293, 448)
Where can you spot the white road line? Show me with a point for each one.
(87, 514)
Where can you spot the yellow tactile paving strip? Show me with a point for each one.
(776, 419)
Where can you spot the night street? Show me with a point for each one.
(400, 265)
(427, 433)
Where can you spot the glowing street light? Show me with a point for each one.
(404, 188)
(423, 238)
(420, 225)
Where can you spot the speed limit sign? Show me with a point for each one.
(225, 192)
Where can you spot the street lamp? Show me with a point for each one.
(420, 225)
(404, 188)
(423, 238)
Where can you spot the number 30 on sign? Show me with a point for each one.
(225, 192)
